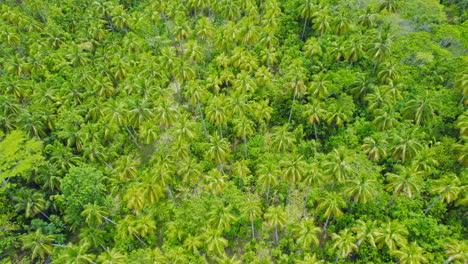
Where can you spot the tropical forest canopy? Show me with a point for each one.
(233, 131)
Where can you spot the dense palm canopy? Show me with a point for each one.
(233, 131)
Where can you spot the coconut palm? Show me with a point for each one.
(312, 48)
(218, 149)
(314, 177)
(410, 254)
(361, 189)
(407, 181)
(306, 11)
(309, 259)
(214, 242)
(321, 21)
(338, 165)
(281, 139)
(320, 86)
(456, 250)
(252, 209)
(94, 214)
(306, 233)
(420, 109)
(267, 176)
(341, 23)
(331, 204)
(29, 201)
(38, 242)
(243, 128)
(385, 119)
(92, 236)
(275, 217)
(217, 113)
(76, 254)
(375, 149)
(293, 169)
(392, 234)
(298, 86)
(314, 112)
(366, 231)
(112, 256)
(344, 242)
(220, 218)
(404, 145)
(448, 187)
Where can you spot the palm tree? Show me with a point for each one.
(218, 150)
(389, 5)
(365, 231)
(448, 188)
(367, 19)
(214, 241)
(362, 86)
(385, 119)
(320, 86)
(312, 48)
(344, 241)
(314, 112)
(76, 254)
(404, 145)
(243, 128)
(456, 250)
(190, 170)
(196, 92)
(165, 112)
(374, 148)
(220, 218)
(306, 233)
(306, 11)
(94, 214)
(321, 21)
(410, 254)
(193, 243)
(338, 165)
(309, 259)
(293, 169)
(341, 24)
(215, 181)
(361, 189)
(281, 139)
(38, 242)
(267, 176)
(392, 234)
(92, 236)
(331, 203)
(275, 217)
(29, 201)
(298, 86)
(388, 73)
(421, 109)
(217, 113)
(252, 209)
(313, 178)
(184, 129)
(112, 256)
(407, 181)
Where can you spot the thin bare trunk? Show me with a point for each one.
(276, 234)
(315, 130)
(448, 260)
(326, 223)
(245, 148)
(305, 202)
(253, 228)
(432, 204)
(303, 29)
(289, 191)
(133, 137)
(169, 191)
(202, 118)
(292, 106)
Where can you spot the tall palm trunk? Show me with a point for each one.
(220, 131)
(305, 202)
(268, 194)
(253, 228)
(202, 118)
(303, 29)
(289, 191)
(292, 106)
(326, 223)
(432, 204)
(448, 260)
(169, 191)
(394, 198)
(245, 148)
(276, 234)
(315, 130)
(133, 137)
(338, 257)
